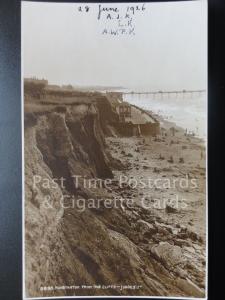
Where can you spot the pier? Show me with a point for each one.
(175, 93)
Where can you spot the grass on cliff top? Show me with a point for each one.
(32, 105)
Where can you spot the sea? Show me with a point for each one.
(186, 111)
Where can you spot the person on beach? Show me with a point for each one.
(201, 155)
(172, 129)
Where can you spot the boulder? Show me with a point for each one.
(182, 243)
(190, 288)
(189, 249)
(180, 272)
(168, 254)
(197, 247)
(171, 209)
(146, 227)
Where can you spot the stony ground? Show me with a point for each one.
(179, 231)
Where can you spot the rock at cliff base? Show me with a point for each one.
(168, 254)
(190, 288)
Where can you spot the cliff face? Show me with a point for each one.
(42, 225)
(68, 247)
(72, 144)
(58, 144)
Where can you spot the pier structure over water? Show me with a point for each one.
(168, 94)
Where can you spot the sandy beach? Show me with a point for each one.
(161, 160)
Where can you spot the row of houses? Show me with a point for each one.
(40, 89)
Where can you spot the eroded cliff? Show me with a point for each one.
(65, 246)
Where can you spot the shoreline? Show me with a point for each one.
(171, 110)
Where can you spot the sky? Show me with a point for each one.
(167, 52)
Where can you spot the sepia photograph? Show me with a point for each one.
(114, 149)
